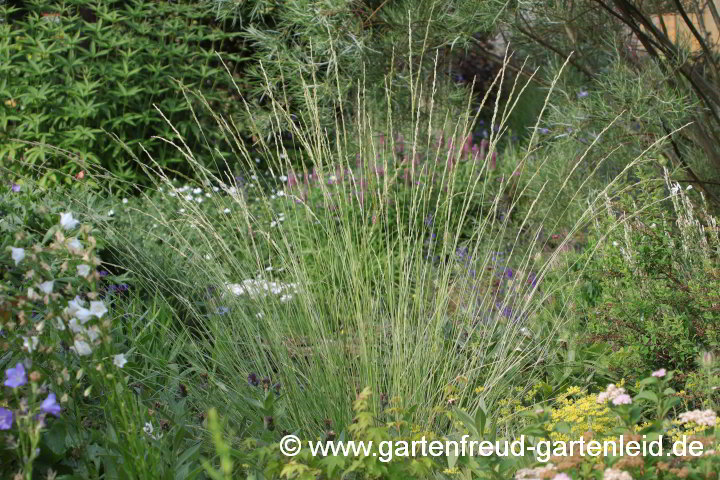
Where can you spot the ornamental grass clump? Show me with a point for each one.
(364, 227)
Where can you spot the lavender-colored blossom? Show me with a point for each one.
(15, 377)
(15, 187)
(6, 419)
(67, 221)
(51, 406)
(544, 130)
(582, 94)
(659, 373)
(17, 254)
(119, 288)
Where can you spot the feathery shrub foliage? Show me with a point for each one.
(332, 43)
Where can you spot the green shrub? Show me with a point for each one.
(654, 285)
(71, 80)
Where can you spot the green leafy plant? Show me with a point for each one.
(82, 70)
(265, 458)
(657, 280)
(70, 347)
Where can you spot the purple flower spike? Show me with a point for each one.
(50, 405)
(15, 187)
(6, 419)
(15, 377)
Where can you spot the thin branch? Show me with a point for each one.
(542, 42)
(365, 23)
(686, 180)
(697, 36)
(678, 155)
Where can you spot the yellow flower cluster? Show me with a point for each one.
(452, 471)
(583, 414)
(519, 402)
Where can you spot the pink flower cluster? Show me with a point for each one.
(537, 472)
(614, 474)
(659, 373)
(707, 418)
(617, 395)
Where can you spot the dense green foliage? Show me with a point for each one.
(654, 283)
(633, 70)
(81, 71)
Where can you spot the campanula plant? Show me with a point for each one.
(54, 324)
